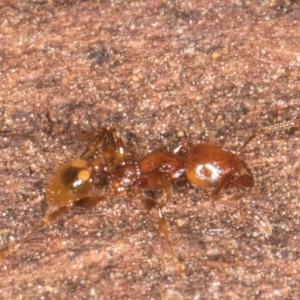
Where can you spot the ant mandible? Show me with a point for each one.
(205, 165)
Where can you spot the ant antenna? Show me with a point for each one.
(275, 127)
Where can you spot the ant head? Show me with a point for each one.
(70, 182)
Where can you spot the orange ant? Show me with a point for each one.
(205, 165)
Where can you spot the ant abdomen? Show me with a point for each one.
(212, 166)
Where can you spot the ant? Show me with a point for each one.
(205, 165)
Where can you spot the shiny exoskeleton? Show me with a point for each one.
(205, 166)
(212, 166)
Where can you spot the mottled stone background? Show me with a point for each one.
(213, 69)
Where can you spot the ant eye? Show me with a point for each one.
(76, 177)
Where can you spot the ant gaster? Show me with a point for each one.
(205, 165)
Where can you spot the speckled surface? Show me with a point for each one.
(212, 69)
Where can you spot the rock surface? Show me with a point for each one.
(214, 70)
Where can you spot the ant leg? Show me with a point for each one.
(90, 202)
(163, 224)
(261, 222)
(223, 182)
(45, 221)
(113, 150)
(86, 202)
(96, 137)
